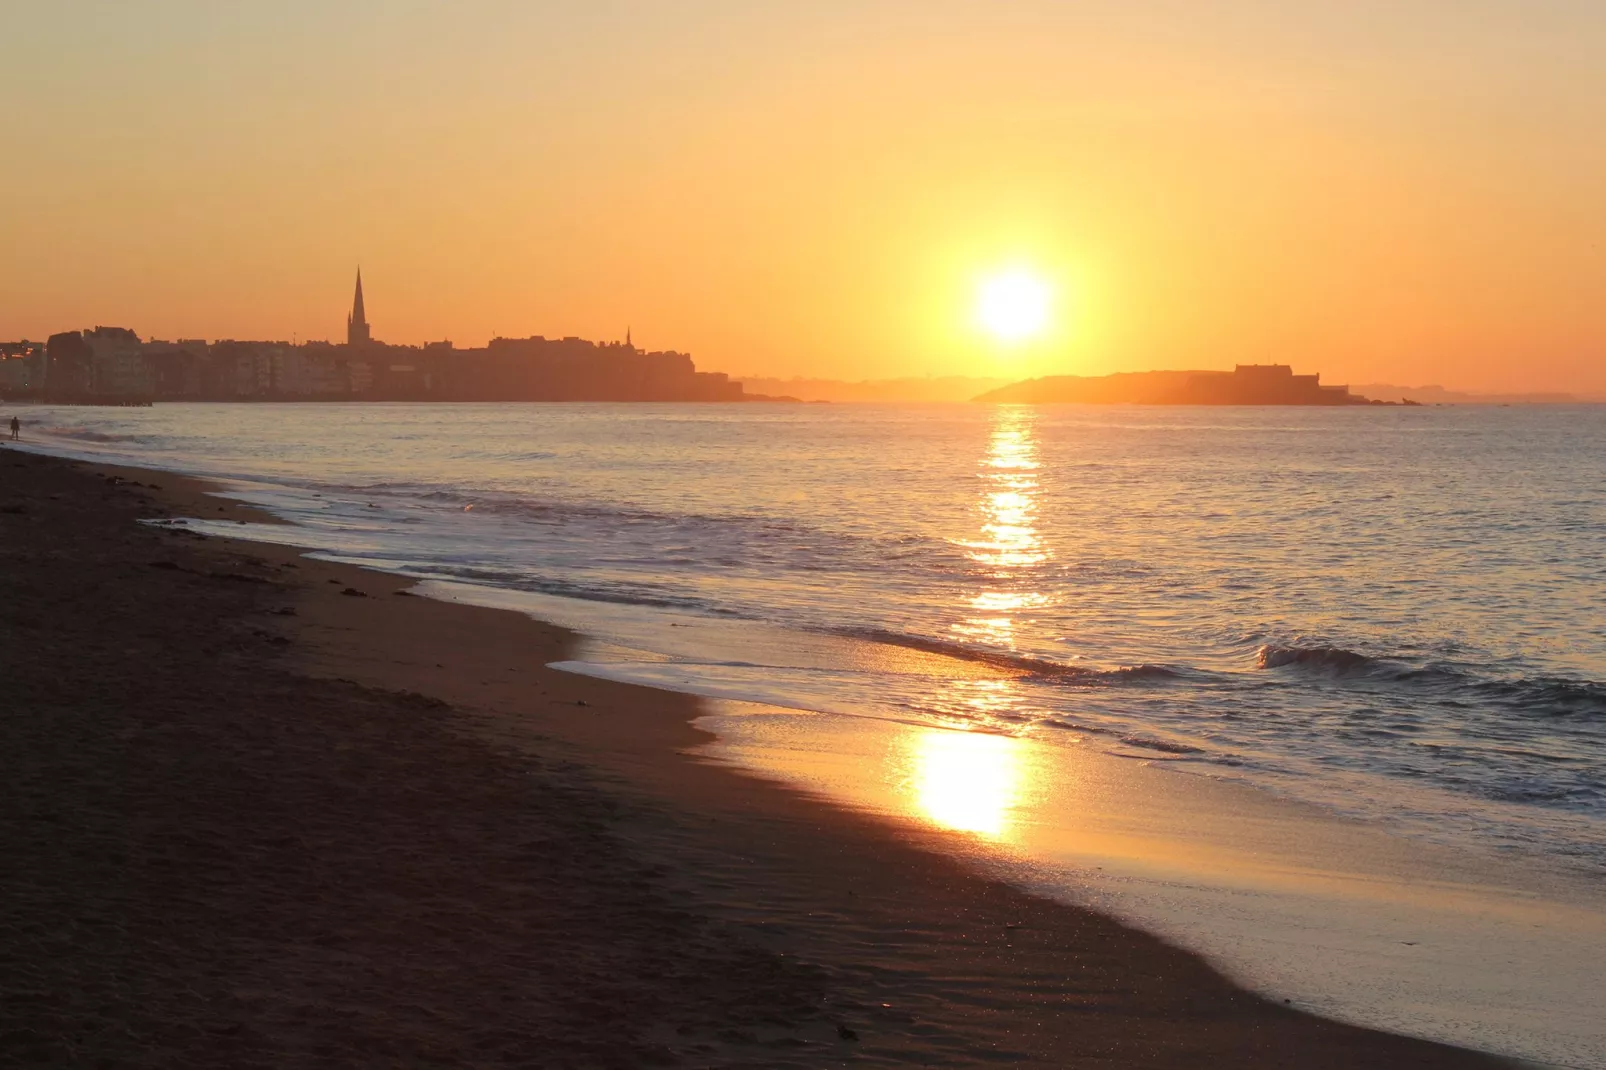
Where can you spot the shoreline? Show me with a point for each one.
(911, 955)
(1350, 920)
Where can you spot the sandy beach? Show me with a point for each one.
(261, 810)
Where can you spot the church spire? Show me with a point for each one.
(357, 332)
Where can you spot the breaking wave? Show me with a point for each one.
(1328, 658)
(1033, 669)
(86, 434)
(1449, 685)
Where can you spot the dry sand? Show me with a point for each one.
(257, 810)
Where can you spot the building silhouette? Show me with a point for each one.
(358, 333)
(113, 365)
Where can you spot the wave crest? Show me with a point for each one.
(1330, 658)
(84, 434)
(1455, 686)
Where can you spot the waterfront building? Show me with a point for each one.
(117, 365)
(113, 361)
(22, 365)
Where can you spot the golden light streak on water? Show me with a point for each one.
(1009, 547)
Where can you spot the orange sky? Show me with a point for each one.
(1409, 191)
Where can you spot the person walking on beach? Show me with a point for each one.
(16, 429)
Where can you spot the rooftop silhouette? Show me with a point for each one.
(114, 365)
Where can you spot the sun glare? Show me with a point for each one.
(968, 781)
(1013, 307)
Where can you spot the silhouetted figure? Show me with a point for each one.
(16, 429)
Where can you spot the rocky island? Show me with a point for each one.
(1246, 384)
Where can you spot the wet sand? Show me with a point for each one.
(262, 810)
(1350, 920)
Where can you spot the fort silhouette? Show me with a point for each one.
(112, 365)
(1247, 384)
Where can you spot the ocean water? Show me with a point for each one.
(1391, 614)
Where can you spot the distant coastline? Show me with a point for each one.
(917, 389)
(1247, 384)
(1438, 395)
(114, 366)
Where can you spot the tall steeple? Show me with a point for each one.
(357, 332)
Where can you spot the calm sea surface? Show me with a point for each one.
(1398, 614)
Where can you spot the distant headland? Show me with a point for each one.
(1247, 384)
(113, 365)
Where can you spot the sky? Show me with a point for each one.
(1409, 191)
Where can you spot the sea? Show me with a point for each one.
(1390, 616)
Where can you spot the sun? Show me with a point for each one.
(1014, 306)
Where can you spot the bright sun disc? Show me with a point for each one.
(1013, 307)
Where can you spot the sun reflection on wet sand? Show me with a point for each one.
(965, 781)
(1326, 908)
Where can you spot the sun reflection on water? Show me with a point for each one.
(974, 781)
(1009, 548)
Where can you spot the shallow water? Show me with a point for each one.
(1395, 614)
